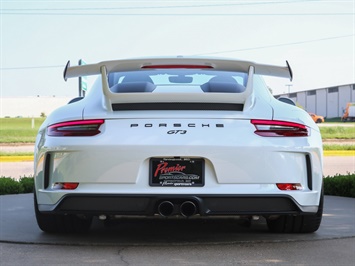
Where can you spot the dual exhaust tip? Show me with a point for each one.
(187, 208)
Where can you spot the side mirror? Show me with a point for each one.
(75, 100)
(287, 100)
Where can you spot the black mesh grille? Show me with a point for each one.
(177, 106)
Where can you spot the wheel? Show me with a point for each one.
(319, 120)
(54, 223)
(297, 224)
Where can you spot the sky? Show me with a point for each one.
(37, 38)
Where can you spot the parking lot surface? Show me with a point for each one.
(18, 225)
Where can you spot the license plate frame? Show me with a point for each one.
(177, 172)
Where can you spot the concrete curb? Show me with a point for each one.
(11, 159)
(339, 153)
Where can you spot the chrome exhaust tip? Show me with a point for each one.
(166, 208)
(188, 208)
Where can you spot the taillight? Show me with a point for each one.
(274, 128)
(289, 186)
(75, 128)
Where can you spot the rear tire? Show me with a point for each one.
(54, 223)
(297, 224)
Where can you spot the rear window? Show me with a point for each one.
(175, 80)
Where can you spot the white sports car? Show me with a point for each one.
(178, 137)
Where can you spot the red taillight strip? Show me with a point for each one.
(177, 66)
(75, 128)
(276, 128)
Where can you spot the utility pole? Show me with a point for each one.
(82, 80)
(288, 88)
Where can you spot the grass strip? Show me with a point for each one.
(19, 130)
(338, 147)
(338, 132)
(16, 153)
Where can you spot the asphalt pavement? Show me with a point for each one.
(320, 253)
(18, 225)
(162, 241)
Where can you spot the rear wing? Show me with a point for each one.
(137, 64)
(113, 99)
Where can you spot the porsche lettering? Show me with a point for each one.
(177, 125)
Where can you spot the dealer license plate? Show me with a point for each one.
(177, 172)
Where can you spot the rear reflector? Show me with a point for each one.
(275, 128)
(68, 186)
(75, 128)
(289, 186)
(176, 66)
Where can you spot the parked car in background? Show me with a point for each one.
(178, 137)
(317, 118)
(349, 113)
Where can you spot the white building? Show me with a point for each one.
(327, 102)
(30, 106)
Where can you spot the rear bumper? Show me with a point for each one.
(147, 205)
